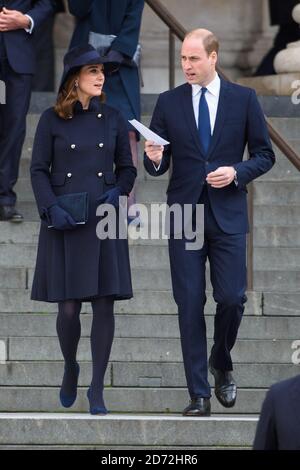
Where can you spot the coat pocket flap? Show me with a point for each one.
(57, 179)
(110, 177)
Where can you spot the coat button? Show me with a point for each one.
(73, 146)
(101, 144)
(99, 115)
(69, 175)
(100, 174)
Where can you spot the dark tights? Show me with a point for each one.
(102, 333)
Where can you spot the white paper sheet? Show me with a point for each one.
(147, 133)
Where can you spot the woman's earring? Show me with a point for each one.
(76, 83)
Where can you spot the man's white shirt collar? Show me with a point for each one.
(213, 87)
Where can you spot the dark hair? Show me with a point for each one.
(67, 98)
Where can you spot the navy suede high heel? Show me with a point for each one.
(68, 400)
(95, 410)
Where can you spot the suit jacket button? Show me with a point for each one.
(101, 144)
(73, 146)
(99, 115)
(100, 174)
(69, 175)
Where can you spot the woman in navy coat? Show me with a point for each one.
(81, 145)
(122, 19)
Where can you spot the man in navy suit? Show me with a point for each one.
(279, 423)
(18, 19)
(208, 122)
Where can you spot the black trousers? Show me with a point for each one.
(12, 127)
(227, 257)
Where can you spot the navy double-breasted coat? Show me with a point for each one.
(88, 152)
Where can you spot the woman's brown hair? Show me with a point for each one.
(67, 98)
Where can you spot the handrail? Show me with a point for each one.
(179, 31)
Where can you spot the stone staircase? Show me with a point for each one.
(145, 384)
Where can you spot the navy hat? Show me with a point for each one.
(79, 56)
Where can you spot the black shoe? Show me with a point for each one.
(9, 213)
(198, 407)
(68, 400)
(225, 387)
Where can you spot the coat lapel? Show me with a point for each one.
(220, 118)
(190, 116)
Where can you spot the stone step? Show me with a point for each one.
(136, 374)
(281, 215)
(146, 326)
(144, 302)
(283, 169)
(125, 430)
(145, 349)
(264, 235)
(276, 193)
(156, 257)
(288, 127)
(125, 400)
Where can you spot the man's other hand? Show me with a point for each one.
(221, 177)
(13, 19)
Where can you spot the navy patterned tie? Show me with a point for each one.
(204, 128)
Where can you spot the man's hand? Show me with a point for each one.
(13, 19)
(154, 151)
(221, 177)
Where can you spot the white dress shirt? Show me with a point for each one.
(212, 97)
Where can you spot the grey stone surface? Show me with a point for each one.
(136, 374)
(148, 349)
(147, 326)
(134, 430)
(122, 400)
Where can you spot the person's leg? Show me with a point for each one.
(227, 256)
(188, 281)
(13, 117)
(68, 329)
(102, 334)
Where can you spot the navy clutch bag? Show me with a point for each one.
(76, 204)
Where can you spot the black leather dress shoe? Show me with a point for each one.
(9, 213)
(225, 387)
(198, 407)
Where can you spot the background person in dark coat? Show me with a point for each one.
(17, 66)
(121, 18)
(279, 423)
(44, 78)
(75, 147)
(289, 31)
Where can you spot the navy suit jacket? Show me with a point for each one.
(18, 43)
(279, 424)
(239, 121)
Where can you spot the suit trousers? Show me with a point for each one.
(12, 128)
(227, 257)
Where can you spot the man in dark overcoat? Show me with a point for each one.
(18, 20)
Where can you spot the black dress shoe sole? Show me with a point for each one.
(197, 415)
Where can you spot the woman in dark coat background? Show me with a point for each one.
(77, 145)
(120, 18)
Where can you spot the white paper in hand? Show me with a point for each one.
(147, 133)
